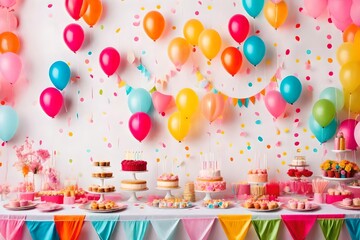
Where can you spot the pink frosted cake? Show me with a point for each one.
(257, 176)
(168, 180)
(209, 178)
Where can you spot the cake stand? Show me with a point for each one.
(208, 194)
(168, 191)
(133, 197)
(340, 181)
(102, 179)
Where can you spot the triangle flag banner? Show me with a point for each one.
(353, 226)
(165, 228)
(198, 228)
(267, 229)
(104, 229)
(299, 226)
(331, 228)
(135, 230)
(235, 226)
(11, 227)
(42, 230)
(69, 226)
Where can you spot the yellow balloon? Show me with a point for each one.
(347, 52)
(178, 126)
(192, 30)
(349, 76)
(210, 43)
(276, 14)
(352, 100)
(187, 102)
(179, 51)
(357, 39)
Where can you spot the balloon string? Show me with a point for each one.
(64, 97)
(7, 162)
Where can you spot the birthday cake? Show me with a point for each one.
(257, 176)
(133, 165)
(133, 185)
(209, 178)
(298, 161)
(168, 180)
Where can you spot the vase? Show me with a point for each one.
(330, 173)
(37, 181)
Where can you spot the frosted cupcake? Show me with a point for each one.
(301, 205)
(308, 205)
(331, 191)
(347, 202)
(293, 204)
(24, 203)
(356, 202)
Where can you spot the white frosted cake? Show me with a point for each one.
(298, 161)
(133, 184)
(168, 180)
(209, 178)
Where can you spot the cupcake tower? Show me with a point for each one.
(102, 173)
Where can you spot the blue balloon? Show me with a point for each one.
(290, 89)
(9, 123)
(322, 133)
(254, 50)
(60, 74)
(253, 7)
(139, 101)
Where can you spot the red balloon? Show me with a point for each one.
(51, 101)
(74, 36)
(109, 60)
(76, 8)
(231, 59)
(238, 27)
(140, 125)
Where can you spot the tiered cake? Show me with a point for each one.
(168, 180)
(209, 179)
(133, 166)
(257, 176)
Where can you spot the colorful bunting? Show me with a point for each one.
(69, 227)
(331, 228)
(11, 227)
(353, 226)
(144, 71)
(165, 229)
(299, 226)
(198, 228)
(104, 229)
(267, 229)
(42, 230)
(135, 230)
(235, 226)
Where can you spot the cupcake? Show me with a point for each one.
(249, 204)
(103, 164)
(24, 203)
(356, 202)
(96, 163)
(103, 175)
(331, 191)
(272, 205)
(293, 204)
(336, 192)
(308, 205)
(94, 205)
(264, 206)
(301, 205)
(257, 205)
(14, 203)
(346, 202)
(101, 206)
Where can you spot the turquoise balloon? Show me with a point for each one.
(9, 123)
(253, 7)
(334, 95)
(322, 134)
(254, 50)
(290, 89)
(60, 74)
(139, 101)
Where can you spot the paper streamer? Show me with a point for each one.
(135, 230)
(235, 226)
(198, 228)
(165, 228)
(331, 228)
(267, 229)
(299, 226)
(104, 229)
(353, 226)
(69, 227)
(42, 230)
(11, 227)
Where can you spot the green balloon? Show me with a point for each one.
(324, 112)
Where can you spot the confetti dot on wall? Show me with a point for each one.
(196, 12)
(278, 170)
(278, 155)
(242, 125)
(187, 148)
(88, 150)
(298, 150)
(101, 92)
(318, 58)
(258, 122)
(248, 147)
(284, 153)
(268, 146)
(0, 164)
(209, 7)
(70, 161)
(136, 39)
(89, 53)
(117, 30)
(158, 6)
(296, 134)
(157, 159)
(260, 139)
(315, 150)
(283, 162)
(71, 134)
(188, 174)
(241, 151)
(307, 147)
(87, 61)
(296, 143)
(308, 51)
(231, 159)
(109, 145)
(249, 159)
(286, 130)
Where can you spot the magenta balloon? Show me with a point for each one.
(51, 101)
(347, 127)
(238, 27)
(275, 103)
(315, 8)
(357, 134)
(140, 125)
(10, 66)
(355, 12)
(340, 13)
(74, 36)
(109, 60)
(73, 7)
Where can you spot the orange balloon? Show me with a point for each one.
(276, 14)
(9, 42)
(212, 106)
(357, 39)
(192, 30)
(93, 12)
(179, 51)
(231, 59)
(154, 24)
(210, 43)
(84, 7)
(349, 33)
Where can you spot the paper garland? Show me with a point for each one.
(267, 229)
(353, 226)
(135, 230)
(11, 227)
(198, 228)
(69, 227)
(104, 229)
(331, 228)
(42, 230)
(235, 226)
(165, 228)
(299, 226)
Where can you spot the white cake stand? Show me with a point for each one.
(208, 194)
(133, 197)
(168, 191)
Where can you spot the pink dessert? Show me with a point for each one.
(308, 205)
(24, 203)
(301, 205)
(346, 202)
(215, 186)
(133, 165)
(293, 204)
(14, 203)
(69, 200)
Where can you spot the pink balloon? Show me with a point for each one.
(340, 13)
(212, 106)
(73, 7)
(347, 127)
(140, 125)
(74, 36)
(8, 21)
(109, 60)
(10, 66)
(315, 8)
(275, 103)
(7, 3)
(276, 1)
(51, 101)
(161, 102)
(355, 12)
(238, 27)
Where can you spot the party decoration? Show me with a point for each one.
(154, 24)
(178, 125)
(10, 66)
(231, 59)
(7, 3)
(254, 50)
(340, 13)
(276, 1)
(192, 30)
(9, 42)
(315, 8)
(290, 89)
(9, 122)
(349, 76)
(334, 95)
(178, 51)
(93, 12)
(11, 22)
(139, 101)
(347, 127)
(350, 32)
(161, 102)
(60, 74)
(109, 60)
(348, 52)
(357, 39)
(275, 103)
(212, 106)
(187, 101)
(357, 134)
(51, 101)
(323, 112)
(276, 14)
(352, 100)
(74, 36)
(355, 12)
(238, 27)
(76, 8)
(140, 125)
(253, 7)
(322, 134)
(209, 43)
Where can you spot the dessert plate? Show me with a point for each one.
(115, 209)
(313, 208)
(262, 210)
(28, 207)
(48, 207)
(174, 208)
(340, 205)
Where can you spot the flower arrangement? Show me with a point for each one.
(344, 168)
(52, 181)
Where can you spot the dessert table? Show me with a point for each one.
(144, 212)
